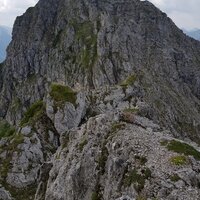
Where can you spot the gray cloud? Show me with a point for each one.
(185, 13)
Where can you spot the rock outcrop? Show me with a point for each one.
(121, 161)
(99, 100)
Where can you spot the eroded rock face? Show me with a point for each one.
(67, 115)
(43, 178)
(111, 159)
(26, 163)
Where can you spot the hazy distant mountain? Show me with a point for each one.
(194, 33)
(5, 37)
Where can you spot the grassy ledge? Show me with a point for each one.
(61, 94)
(182, 148)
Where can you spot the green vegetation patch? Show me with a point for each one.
(84, 33)
(180, 147)
(178, 160)
(65, 141)
(103, 158)
(82, 144)
(6, 130)
(57, 39)
(140, 197)
(186, 126)
(61, 94)
(137, 178)
(32, 78)
(117, 126)
(6, 165)
(33, 113)
(129, 81)
(164, 142)
(86, 37)
(175, 178)
(141, 159)
(133, 110)
(96, 195)
(17, 139)
(16, 104)
(27, 193)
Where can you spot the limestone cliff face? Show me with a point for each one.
(86, 85)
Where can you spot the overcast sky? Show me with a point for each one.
(10, 9)
(185, 13)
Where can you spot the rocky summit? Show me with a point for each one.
(99, 100)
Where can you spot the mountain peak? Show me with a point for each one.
(99, 100)
(97, 43)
